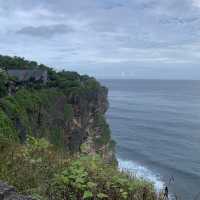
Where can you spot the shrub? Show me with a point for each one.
(32, 112)
(90, 178)
(68, 112)
(29, 167)
(3, 83)
(39, 169)
(104, 129)
(7, 130)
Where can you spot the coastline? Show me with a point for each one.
(141, 171)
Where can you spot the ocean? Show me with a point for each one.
(156, 124)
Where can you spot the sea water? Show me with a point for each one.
(156, 124)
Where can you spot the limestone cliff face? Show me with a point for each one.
(85, 110)
(88, 131)
(74, 122)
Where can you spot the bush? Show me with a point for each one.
(32, 112)
(7, 130)
(104, 128)
(3, 83)
(29, 167)
(38, 169)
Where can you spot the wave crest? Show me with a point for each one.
(141, 172)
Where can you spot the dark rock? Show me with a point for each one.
(9, 193)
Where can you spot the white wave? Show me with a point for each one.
(141, 172)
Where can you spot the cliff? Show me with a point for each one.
(55, 142)
(71, 120)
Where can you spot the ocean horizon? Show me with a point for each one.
(156, 126)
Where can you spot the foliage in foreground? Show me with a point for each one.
(40, 170)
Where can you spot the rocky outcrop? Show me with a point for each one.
(8, 193)
(85, 109)
(88, 131)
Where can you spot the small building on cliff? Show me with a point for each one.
(27, 75)
(25, 78)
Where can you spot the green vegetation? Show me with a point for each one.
(38, 169)
(32, 112)
(7, 130)
(68, 112)
(105, 135)
(7, 62)
(35, 109)
(3, 83)
(70, 82)
(37, 124)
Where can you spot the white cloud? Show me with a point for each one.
(196, 3)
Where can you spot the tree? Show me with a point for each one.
(3, 84)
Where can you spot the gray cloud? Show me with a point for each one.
(45, 31)
(75, 34)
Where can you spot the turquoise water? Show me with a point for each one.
(157, 128)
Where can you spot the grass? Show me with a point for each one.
(39, 169)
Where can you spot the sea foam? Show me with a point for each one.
(141, 172)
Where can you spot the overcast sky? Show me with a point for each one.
(106, 38)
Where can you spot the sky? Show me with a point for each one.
(106, 38)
